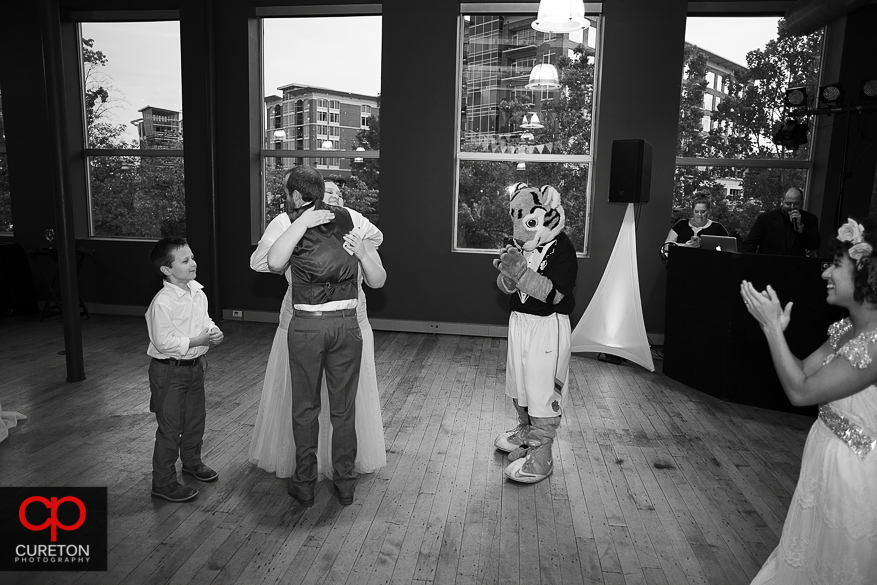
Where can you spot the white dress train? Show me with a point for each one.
(830, 533)
(10, 418)
(272, 447)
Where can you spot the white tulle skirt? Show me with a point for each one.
(830, 533)
(272, 447)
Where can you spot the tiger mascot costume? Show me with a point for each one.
(539, 271)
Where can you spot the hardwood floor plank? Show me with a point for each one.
(654, 483)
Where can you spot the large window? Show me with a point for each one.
(132, 105)
(736, 73)
(509, 133)
(330, 103)
(5, 196)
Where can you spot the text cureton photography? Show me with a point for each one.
(53, 529)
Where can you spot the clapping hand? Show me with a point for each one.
(765, 306)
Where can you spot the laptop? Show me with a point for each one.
(720, 243)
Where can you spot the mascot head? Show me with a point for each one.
(537, 215)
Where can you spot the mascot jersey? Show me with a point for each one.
(559, 264)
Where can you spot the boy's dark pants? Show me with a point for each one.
(332, 344)
(178, 404)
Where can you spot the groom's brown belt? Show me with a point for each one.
(323, 314)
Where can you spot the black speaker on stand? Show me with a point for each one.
(630, 175)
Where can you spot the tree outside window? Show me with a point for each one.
(134, 150)
(725, 148)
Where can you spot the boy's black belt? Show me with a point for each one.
(177, 362)
(323, 314)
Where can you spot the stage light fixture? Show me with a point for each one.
(868, 90)
(832, 94)
(791, 134)
(796, 98)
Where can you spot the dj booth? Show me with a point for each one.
(713, 344)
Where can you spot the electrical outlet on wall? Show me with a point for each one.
(237, 313)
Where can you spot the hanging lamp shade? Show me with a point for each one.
(560, 16)
(327, 145)
(359, 158)
(532, 122)
(543, 76)
(527, 136)
(521, 166)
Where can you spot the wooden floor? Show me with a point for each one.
(653, 483)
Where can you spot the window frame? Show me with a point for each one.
(591, 9)
(722, 9)
(77, 18)
(258, 200)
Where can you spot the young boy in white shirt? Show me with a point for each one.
(180, 333)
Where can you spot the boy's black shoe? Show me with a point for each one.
(345, 497)
(174, 492)
(201, 472)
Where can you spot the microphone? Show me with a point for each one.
(796, 221)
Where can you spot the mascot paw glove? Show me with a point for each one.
(511, 264)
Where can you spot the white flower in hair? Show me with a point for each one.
(851, 232)
(860, 252)
(854, 233)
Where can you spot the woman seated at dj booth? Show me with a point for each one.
(687, 232)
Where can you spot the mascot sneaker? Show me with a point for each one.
(513, 439)
(528, 470)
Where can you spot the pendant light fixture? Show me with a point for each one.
(543, 76)
(560, 16)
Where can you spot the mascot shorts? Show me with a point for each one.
(537, 365)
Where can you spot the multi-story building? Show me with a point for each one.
(499, 53)
(718, 71)
(312, 118)
(159, 127)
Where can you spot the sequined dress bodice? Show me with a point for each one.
(861, 407)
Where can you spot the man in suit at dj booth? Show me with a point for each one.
(785, 231)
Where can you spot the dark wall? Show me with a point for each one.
(639, 94)
(426, 280)
(851, 160)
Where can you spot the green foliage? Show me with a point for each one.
(356, 194)
(359, 196)
(369, 170)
